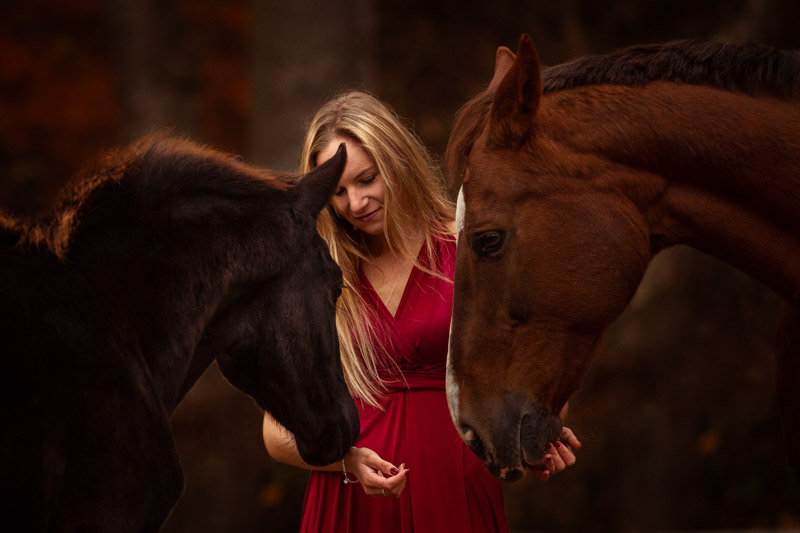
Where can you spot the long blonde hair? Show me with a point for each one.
(415, 206)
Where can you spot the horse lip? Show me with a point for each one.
(523, 452)
(503, 466)
(527, 457)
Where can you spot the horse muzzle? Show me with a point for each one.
(334, 439)
(513, 439)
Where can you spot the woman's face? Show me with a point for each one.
(360, 194)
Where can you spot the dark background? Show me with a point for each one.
(677, 414)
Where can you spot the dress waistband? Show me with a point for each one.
(412, 380)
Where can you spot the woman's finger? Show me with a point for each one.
(398, 482)
(543, 475)
(556, 462)
(396, 491)
(374, 482)
(384, 467)
(568, 437)
(399, 489)
(565, 453)
(388, 487)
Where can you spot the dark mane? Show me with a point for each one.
(746, 68)
(184, 164)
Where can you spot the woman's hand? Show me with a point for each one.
(559, 454)
(378, 478)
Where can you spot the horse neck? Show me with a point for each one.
(161, 302)
(717, 170)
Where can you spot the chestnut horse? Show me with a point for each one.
(572, 180)
(162, 258)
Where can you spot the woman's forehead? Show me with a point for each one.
(358, 161)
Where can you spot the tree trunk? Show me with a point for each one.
(298, 63)
(155, 71)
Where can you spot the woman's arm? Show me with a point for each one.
(281, 446)
(377, 476)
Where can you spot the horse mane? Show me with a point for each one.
(743, 68)
(190, 165)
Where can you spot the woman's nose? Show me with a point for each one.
(357, 200)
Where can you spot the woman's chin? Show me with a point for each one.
(373, 227)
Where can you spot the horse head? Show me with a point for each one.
(545, 263)
(275, 337)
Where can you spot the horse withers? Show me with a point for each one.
(572, 180)
(161, 258)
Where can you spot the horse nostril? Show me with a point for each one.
(472, 439)
(467, 433)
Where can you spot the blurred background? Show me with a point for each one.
(677, 414)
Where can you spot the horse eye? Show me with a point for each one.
(489, 243)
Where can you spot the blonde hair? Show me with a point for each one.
(415, 206)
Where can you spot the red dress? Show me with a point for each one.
(448, 487)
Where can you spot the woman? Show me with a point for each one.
(390, 229)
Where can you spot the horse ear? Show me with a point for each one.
(502, 64)
(314, 190)
(517, 96)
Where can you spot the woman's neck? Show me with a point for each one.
(377, 245)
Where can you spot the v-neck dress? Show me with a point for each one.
(448, 487)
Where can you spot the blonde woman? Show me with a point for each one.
(390, 229)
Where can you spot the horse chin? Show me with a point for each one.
(335, 438)
(313, 455)
(506, 469)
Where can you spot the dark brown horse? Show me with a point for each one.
(573, 179)
(162, 258)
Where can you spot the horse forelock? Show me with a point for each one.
(742, 68)
(469, 123)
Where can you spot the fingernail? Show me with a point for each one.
(548, 457)
(549, 446)
(394, 471)
(558, 444)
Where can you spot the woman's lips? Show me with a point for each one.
(368, 217)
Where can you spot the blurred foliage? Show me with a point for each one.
(677, 414)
